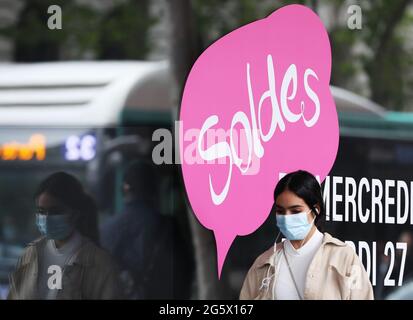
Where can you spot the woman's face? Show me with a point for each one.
(289, 203)
(49, 205)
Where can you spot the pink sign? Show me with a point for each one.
(256, 103)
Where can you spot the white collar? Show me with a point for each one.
(308, 248)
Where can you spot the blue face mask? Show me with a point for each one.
(294, 226)
(55, 227)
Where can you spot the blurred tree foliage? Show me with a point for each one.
(385, 59)
(124, 31)
(388, 65)
(119, 32)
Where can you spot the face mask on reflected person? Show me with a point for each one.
(55, 227)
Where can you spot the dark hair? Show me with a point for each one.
(304, 185)
(68, 189)
(143, 180)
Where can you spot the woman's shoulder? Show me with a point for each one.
(29, 253)
(329, 239)
(265, 258)
(337, 249)
(93, 254)
(336, 244)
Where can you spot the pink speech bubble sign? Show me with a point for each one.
(270, 79)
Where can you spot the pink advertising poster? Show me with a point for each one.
(256, 104)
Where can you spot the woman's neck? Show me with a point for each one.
(61, 243)
(297, 244)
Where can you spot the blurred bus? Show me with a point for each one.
(91, 119)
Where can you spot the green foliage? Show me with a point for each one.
(387, 66)
(120, 33)
(216, 18)
(124, 31)
(385, 61)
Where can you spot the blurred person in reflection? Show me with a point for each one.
(407, 238)
(405, 290)
(144, 242)
(309, 264)
(9, 230)
(66, 262)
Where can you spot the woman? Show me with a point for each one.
(308, 264)
(66, 262)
